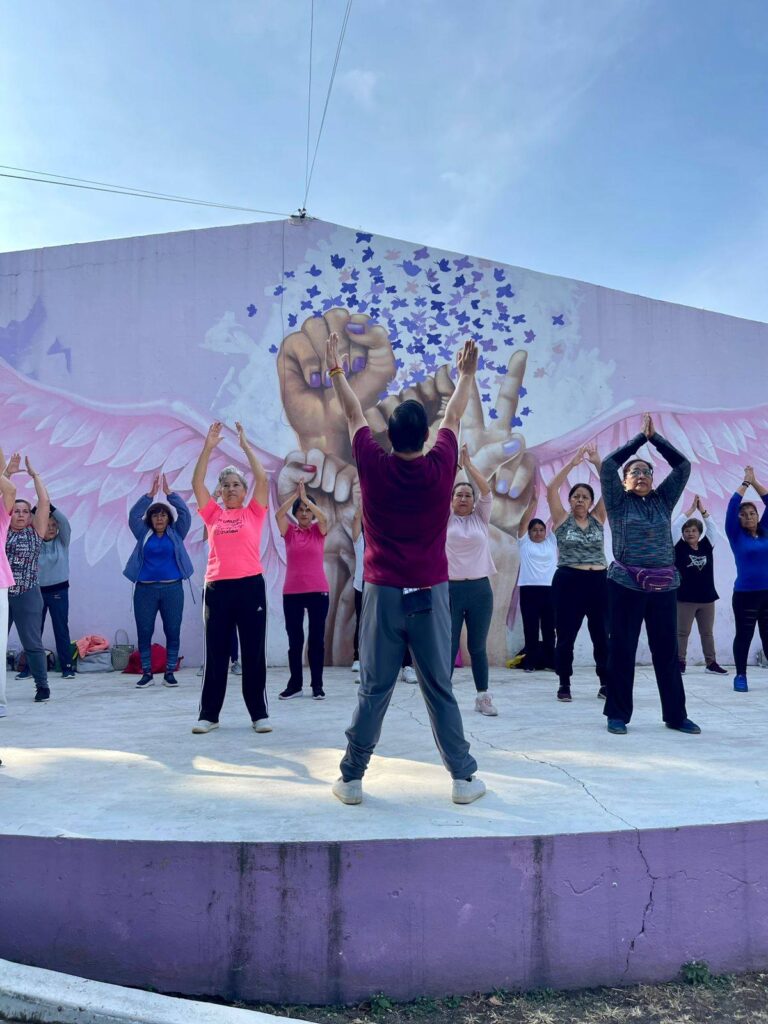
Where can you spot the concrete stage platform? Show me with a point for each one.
(134, 852)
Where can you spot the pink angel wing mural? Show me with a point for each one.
(98, 458)
(718, 442)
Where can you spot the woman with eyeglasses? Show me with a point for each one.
(643, 579)
(747, 533)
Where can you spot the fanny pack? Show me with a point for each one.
(660, 578)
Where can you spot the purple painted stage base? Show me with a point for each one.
(336, 922)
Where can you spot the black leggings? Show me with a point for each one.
(750, 609)
(538, 611)
(316, 606)
(579, 593)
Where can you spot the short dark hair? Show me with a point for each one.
(408, 427)
(536, 522)
(157, 506)
(628, 465)
(297, 505)
(587, 487)
(463, 483)
(761, 531)
(694, 522)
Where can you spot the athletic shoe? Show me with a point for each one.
(617, 727)
(261, 725)
(714, 667)
(466, 790)
(42, 695)
(318, 694)
(201, 670)
(408, 675)
(602, 693)
(564, 694)
(348, 792)
(516, 660)
(146, 680)
(69, 674)
(681, 663)
(236, 668)
(484, 705)
(169, 679)
(24, 674)
(356, 665)
(686, 726)
(740, 684)
(203, 726)
(289, 694)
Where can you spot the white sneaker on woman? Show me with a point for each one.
(261, 725)
(203, 726)
(484, 705)
(355, 665)
(467, 790)
(348, 792)
(408, 675)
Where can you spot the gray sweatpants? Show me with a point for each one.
(25, 611)
(385, 632)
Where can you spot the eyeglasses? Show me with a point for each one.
(641, 472)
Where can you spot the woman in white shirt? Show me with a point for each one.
(538, 561)
(469, 566)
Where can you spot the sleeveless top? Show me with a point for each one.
(697, 577)
(23, 550)
(580, 547)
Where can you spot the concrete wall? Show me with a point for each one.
(336, 922)
(115, 356)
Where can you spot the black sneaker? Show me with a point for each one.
(681, 663)
(69, 674)
(146, 680)
(318, 694)
(24, 674)
(686, 726)
(290, 692)
(564, 694)
(602, 693)
(42, 695)
(617, 727)
(169, 679)
(714, 667)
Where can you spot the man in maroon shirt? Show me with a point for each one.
(406, 498)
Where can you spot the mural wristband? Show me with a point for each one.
(336, 369)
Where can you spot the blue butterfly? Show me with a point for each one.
(397, 344)
(525, 411)
(361, 236)
(317, 313)
(421, 254)
(367, 254)
(273, 348)
(307, 304)
(463, 264)
(462, 318)
(348, 286)
(444, 265)
(289, 273)
(505, 292)
(355, 274)
(498, 274)
(313, 292)
(444, 352)
(516, 422)
(435, 289)
(292, 319)
(420, 302)
(399, 363)
(487, 312)
(433, 339)
(419, 376)
(378, 279)
(460, 280)
(475, 303)
(519, 319)
(529, 336)
(439, 306)
(392, 288)
(493, 414)
(431, 275)
(279, 290)
(410, 268)
(559, 320)
(337, 261)
(251, 310)
(500, 369)
(522, 392)
(399, 303)
(352, 300)
(486, 397)
(478, 323)
(373, 271)
(314, 271)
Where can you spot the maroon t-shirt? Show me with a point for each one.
(406, 506)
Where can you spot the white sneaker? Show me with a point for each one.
(484, 705)
(408, 675)
(204, 726)
(261, 725)
(201, 670)
(236, 668)
(355, 666)
(349, 792)
(467, 790)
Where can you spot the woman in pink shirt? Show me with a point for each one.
(235, 595)
(7, 499)
(305, 589)
(469, 566)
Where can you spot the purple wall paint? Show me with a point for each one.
(335, 922)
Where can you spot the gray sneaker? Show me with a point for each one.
(484, 705)
(349, 792)
(467, 790)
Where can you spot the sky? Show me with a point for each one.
(620, 142)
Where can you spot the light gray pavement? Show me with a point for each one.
(104, 760)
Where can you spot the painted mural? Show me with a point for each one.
(115, 356)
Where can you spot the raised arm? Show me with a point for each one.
(43, 511)
(7, 486)
(317, 512)
(202, 494)
(593, 455)
(65, 530)
(483, 487)
(261, 481)
(556, 507)
(466, 363)
(281, 515)
(183, 515)
(348, 400)
(357, 523)
(711, 531)
(527, 516)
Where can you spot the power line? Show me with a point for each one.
(344, 23)
(124, 190)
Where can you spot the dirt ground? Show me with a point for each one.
(741, 999)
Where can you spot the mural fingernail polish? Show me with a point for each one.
(308, 469)
(327, 380)
(345, 366)
(514, 492)
(502, 487)
(314, 380)
(354, 328)
(511, 446)
(358, 364)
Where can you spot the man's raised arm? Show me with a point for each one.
(348, 400)
(466, 362)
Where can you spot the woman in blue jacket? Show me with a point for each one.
(747, 532)
(158, 565)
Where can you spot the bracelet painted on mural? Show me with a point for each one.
(336, 369)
